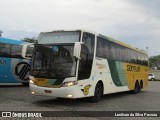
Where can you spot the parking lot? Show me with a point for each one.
(18, 98)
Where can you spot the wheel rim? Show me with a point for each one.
(98, 93)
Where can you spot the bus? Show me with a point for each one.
(14, 68)
(79, 64)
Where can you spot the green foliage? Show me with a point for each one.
(30, 40)
(1, 33)
(154, 61)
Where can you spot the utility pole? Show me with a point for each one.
(147, 49)
(1, 33)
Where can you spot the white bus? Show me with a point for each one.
(78, 64)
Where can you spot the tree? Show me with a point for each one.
(154, 62)
(1, 33)
(30, 40)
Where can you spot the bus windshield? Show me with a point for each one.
(53, 61)
(59, 37)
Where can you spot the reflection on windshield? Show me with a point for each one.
(53, 61)
(59, 37)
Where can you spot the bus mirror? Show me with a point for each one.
(27, 50)
(77, 48)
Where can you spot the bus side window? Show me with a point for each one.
(16, 51)
(102, 48)
(112, 51)
(4, 50)
(99, 52)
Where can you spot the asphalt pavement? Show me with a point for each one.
(18, 98)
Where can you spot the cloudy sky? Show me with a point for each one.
(136, 22)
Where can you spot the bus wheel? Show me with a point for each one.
(136, 89)
(25, 84)
(97, 93)
(140, 86)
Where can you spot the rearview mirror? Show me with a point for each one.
(27, 50)
(77, 49)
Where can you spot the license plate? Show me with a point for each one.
(47, 91)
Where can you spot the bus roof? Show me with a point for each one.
(10, 41)
(105, 37)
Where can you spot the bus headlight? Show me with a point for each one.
(32, 82)
(70, 83)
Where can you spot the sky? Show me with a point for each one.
(136, 22)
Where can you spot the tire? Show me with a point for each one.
(25, 84)
(97, 93)
(136, 89)
(152, 79)
(139, 89)
(141, 84)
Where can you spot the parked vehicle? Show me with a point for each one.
(14, 68)
(78, 64)
(150, 77)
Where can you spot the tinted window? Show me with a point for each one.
(9, 50)
(16, 51)
(102, 48)
(4, 50)
(123, 54)
(87, 52)
(113, 51)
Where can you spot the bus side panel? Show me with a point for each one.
(118, 76)
(109, 72)
(14, 70)
(20, 70)
(101, 72)
(4, 65)
(136, 72)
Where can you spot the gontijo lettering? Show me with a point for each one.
(133, 68)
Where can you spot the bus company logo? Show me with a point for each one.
(133, 68)
(22, 70)
(101, 66)
(86, 89)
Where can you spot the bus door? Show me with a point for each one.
(85, 63)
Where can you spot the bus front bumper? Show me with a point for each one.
(62, 92)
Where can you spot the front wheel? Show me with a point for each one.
(97, 93)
